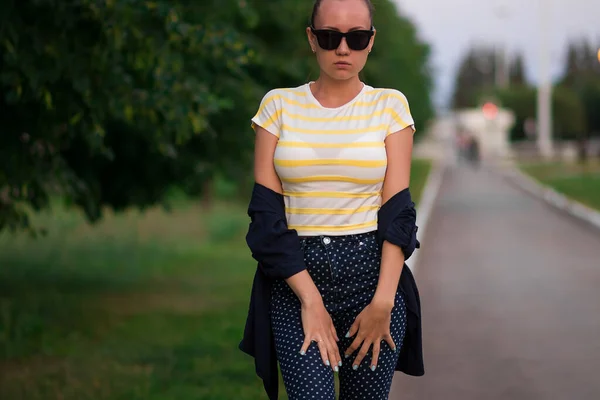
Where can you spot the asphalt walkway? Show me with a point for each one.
(511, 297)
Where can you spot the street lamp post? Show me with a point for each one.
(544, 96)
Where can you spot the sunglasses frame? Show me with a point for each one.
(343, 35)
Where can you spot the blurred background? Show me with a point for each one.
(125, 173)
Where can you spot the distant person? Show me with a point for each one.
(332, 222)
(462, 141)
(473, 149)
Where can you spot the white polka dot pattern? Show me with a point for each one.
(345, 270)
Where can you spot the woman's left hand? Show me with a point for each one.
(371, 327)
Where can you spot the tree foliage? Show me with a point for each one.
(567, 110)
(582, 75)
(517, 75)
(113, 102)
(475, 77)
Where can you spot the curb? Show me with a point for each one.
(552, 197)
(425, 207)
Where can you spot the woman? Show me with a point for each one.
(335, 150)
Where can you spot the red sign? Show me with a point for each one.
(490, 110)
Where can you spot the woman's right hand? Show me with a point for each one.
(318, 327)
(316, 321)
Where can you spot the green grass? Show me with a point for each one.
(420, 170)
(141, 306)
(579, 182)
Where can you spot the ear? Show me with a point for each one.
(372, 40)
(311, 40)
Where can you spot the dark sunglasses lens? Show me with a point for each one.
(328, 40)
(358, 40)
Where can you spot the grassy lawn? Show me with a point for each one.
(142, 306)
(580, 182)
(418, 177)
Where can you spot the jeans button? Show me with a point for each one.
(326, 240)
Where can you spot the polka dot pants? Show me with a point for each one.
(345, 269)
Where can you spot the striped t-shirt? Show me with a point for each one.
(332, 161)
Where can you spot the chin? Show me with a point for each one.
(342, 75)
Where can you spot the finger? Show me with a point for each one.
(390, 341)
(334, 333)
(324, 352)
(361, 354)
(334, 356)
(305, 345)
(375, 357)
(353, 346)
(353, 329)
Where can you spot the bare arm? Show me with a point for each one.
(397, 178)
(264, 153)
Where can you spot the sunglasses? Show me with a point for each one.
(330, 40)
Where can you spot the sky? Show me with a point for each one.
(451, 27)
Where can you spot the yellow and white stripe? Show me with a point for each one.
(332, 161)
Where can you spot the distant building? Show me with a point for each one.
(488, 125)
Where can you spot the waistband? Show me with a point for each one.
(307, 240)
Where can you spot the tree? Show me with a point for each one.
(101, 100)
(590, 96)
(475, 77)
(581, 61)
(572, 68)
(517, 71)
(567, 110)
(582, 77)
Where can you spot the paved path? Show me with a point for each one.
(511, 297)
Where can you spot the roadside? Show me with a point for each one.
(579, 182)
(571, 188)
(426, 201)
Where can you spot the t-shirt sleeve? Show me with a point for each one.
(400, 113)
(268, 115)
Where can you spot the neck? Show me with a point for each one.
(331, 92)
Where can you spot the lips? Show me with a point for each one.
(342, 63)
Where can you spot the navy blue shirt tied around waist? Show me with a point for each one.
(277, 250)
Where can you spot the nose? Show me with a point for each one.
(343, 48)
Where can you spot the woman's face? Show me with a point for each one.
(343, 16)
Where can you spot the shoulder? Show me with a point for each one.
(274, 102)
(278, 95)
(395, 104)
(387, 95)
